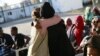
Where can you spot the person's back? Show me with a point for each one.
(59, 44)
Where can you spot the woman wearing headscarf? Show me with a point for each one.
(88, 14)
(58, 42)
(70, 31)
(79, 26)
(68, 26)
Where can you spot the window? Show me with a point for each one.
(9, 13)
(22, 10)
(0, 16)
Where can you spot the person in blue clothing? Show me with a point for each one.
(6, 43)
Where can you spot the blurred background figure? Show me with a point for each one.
(93, 46)
(20, 41)
(19, 38)
(79, 26)
(70, 27)
(96, 11)
(88, 15)
(6, 43)
(6, 39)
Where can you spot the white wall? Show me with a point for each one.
(29, 9)
(66, 5)
(16, 14)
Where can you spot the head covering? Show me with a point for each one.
(88, 14)
(79, 22)
(79, 30)
(47, 11)
(68, 22)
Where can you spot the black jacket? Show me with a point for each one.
(6, 38)
(19, 38)
(59, 44)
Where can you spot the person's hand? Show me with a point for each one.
(79, 50)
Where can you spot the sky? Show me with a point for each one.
(9, 2)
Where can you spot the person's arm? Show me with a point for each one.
(27, 40)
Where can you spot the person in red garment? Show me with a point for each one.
(79, 26)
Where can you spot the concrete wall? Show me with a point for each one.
(14, 14)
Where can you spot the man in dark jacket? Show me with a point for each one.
(6, 39)
(19, 40)
(6, 43)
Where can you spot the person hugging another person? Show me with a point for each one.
(53, 31)
(39, 42)
(58, 42)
